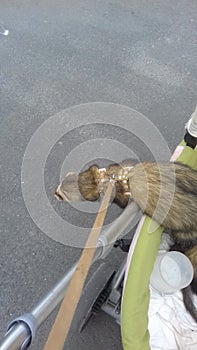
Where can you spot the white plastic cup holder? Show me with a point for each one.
(172, 271)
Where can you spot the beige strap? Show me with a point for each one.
(65, 315)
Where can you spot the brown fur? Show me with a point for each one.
(88, 183)
(168, 193)
(165, 191)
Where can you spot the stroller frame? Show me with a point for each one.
(22, 330)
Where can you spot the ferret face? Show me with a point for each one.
(68, 190)
(89, 184)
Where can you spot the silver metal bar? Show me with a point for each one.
(120, 275)
(14, 339)
(19, 333)
(130, 215)
(52, 299)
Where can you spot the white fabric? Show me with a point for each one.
(177, 153)
(191, 125)
(171, 327)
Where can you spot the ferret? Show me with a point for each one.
(165, 191)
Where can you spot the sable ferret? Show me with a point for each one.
(165, 191)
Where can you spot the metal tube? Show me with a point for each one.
(15, 338)
(131, 214)
(18, 334)
(120, 275)
(52, 299)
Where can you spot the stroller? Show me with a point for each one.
(107, 290)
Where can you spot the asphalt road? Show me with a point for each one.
(61, 54)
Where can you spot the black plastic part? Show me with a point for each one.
(190, 140)
(123, 244)
(103, 295)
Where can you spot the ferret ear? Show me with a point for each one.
(94, 168)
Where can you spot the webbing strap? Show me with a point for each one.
(65, 315)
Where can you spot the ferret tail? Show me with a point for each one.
(188, 302)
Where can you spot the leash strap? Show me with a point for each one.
(67, 309)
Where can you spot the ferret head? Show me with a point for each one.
(84, 186)
(93, 182)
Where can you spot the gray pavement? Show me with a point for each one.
(61, 54)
